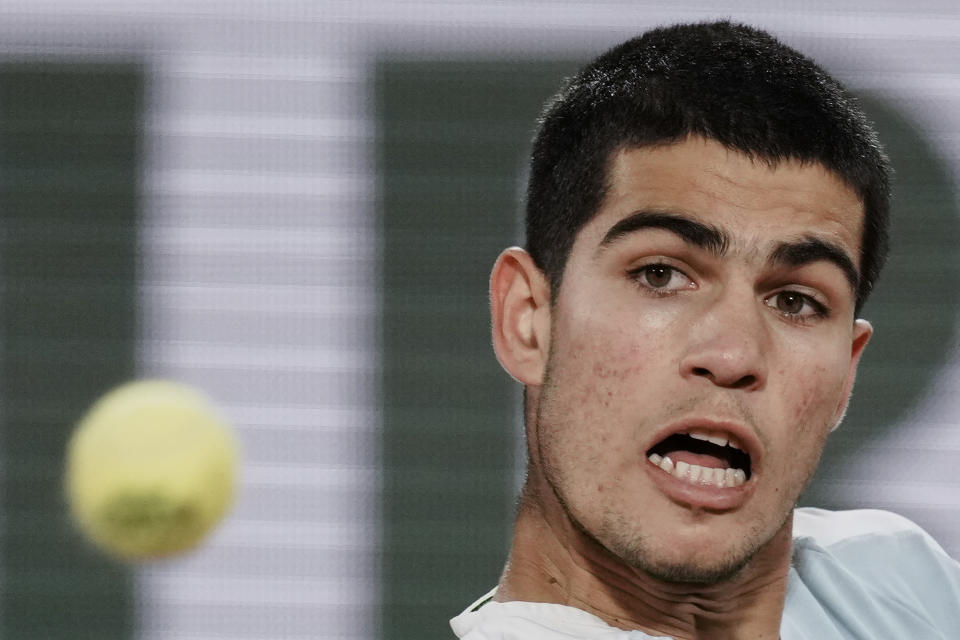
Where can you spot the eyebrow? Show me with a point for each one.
(696, 233)
(795, 254)
(812, 249)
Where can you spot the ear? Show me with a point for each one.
(861, 336)
(520, 310)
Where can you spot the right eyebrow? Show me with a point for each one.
(689, 230)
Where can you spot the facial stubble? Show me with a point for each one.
(625, 541)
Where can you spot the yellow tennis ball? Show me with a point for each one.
(150, 469)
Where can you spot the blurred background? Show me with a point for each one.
(295, 206)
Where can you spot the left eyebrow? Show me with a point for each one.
(812, 249)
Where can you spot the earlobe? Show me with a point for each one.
(520, 312)
(862, 331)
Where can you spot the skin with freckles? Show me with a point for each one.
(709, 291)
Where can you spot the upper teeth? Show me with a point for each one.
(719, 440)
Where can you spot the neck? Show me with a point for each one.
(551, 560)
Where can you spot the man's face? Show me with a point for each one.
(710, 297)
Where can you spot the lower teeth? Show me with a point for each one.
(695, 474)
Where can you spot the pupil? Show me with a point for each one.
(658, 276)
(790, 302)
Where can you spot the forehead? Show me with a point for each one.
(748, 198)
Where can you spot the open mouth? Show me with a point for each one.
(702, 458)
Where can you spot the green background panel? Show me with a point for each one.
(452, 137)
(69, 153)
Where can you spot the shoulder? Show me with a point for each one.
(866, 540)
(876, 560)
(830, 528)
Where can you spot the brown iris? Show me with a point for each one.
(790, 302)
(658, 275)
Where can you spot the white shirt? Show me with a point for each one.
(855, 575)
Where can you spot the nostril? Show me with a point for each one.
(744, 382)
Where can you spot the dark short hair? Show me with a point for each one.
(727, 82)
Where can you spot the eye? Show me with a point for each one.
(797, 305)
(661, 278)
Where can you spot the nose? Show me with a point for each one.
(728, 344)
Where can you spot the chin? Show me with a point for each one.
(676, 567)
(680, 560)
(692, 572)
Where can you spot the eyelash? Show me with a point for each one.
(820, 310)
(637, 275)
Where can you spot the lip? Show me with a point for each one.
(707, 497)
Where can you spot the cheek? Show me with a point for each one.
(596, 383)
(612, 378)
(813, 395)
(816, 393)
(609, 368)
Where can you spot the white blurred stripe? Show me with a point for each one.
(292, 535)
(314, 242)
(245, 66)
(309, 419)
(229, 183)
(259, 126)
(307, 475)
(258, 592)
(274, 316)
(305, 299)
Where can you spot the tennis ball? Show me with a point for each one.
(150, 470)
